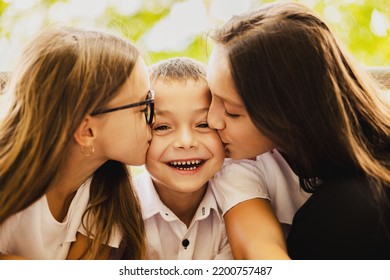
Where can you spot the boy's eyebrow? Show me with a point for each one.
(206, 110)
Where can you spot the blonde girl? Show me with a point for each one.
(81, 109)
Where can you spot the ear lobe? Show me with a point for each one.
(84, 134)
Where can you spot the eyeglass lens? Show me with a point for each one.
(149, 111)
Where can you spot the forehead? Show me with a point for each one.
(137, 84)
(135, 88)
(181, 88)
(140, 77)
(182, 95)
(219, 76)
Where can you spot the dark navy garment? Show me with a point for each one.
(341, 220)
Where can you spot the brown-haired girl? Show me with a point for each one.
(279, 79)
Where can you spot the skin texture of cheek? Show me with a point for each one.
(244, 141)
(139, 145)
(127, 140)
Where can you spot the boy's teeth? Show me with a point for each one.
(187, 169)
(188, 162)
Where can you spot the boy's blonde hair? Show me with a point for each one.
(178, 68)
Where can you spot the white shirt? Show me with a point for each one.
(269, 176)
(34, 233)
(165, 232)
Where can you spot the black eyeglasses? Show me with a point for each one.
(148, 111)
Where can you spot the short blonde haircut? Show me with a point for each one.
(178, 68)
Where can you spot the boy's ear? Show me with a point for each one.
(85, 133)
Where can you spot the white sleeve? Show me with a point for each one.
(238, 181)
(282, 184)
(225, 252)
(7, 231)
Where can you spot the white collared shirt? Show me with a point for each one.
(206, 234)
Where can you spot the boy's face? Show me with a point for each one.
(184, 153)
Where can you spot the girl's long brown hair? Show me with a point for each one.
(63, 75)
(305, 93)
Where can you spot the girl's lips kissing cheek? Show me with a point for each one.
(189, 165)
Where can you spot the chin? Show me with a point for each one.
(229, 154)
(238, 156)
(136, 162)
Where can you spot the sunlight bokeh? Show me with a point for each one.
(168, 28)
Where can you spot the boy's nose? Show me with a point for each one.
(186, 139)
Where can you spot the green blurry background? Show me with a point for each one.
(167, 28)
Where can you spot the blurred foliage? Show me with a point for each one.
(133, 27)
(3, 6)
(351, 21)
(199, 49)
(354, 29)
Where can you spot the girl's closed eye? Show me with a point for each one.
(228, 109)
(230, 115)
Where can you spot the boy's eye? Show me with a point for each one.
(161, 127)
(233, 116)
(203, 125)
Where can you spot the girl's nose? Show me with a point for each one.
(215, 115)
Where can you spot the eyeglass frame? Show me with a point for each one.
(148, 102)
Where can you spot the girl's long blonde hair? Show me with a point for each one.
(64, 74)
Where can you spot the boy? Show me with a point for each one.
(183, 203)
(182, 218)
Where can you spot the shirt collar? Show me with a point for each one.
(152, 205)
